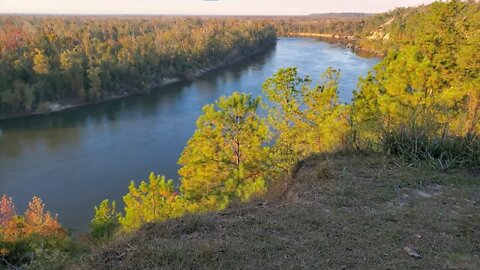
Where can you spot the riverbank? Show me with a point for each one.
(53, 107)
(348, 42)
(341, 211)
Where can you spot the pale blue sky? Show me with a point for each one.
(217, 7)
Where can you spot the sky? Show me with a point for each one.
(204, 7)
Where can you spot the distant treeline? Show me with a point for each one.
(340, 26)
(341, 15)
(46, 60)
(336, 24)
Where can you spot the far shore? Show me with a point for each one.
(347, 42)
(59, 106)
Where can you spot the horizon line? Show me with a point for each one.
(179, 14)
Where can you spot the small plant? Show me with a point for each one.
(105, 223)
(155, 200)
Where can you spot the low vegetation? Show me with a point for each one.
(33, 237)
(342, 211)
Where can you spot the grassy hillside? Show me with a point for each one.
(338, 212)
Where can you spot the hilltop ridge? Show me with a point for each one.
(338, 212)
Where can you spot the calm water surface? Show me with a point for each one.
(76, 158)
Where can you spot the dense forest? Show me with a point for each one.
(336, 26)
(50, 60)
(381, 32)
(421, 104)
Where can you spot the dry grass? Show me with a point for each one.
(340, 212)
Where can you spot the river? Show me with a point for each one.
(76, 158)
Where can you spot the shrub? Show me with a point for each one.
(154, 200)
(105, 223)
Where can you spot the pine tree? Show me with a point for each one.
(152, 201)
(304, 119)
(7, 211)
(225, 158)
(427, 87)
(37, 221)
(94, 91)
(105, 223)
(40, 62)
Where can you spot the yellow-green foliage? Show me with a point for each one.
(105, 222)
(225, 157)
(430, 85)
(155, 200)
(229, 156)
(305, 119)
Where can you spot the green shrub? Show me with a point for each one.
(35, 248)
(105, 223)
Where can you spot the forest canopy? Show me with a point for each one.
(46, 60)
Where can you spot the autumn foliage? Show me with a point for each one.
(39, 221)
(8, 220)
(35, 221)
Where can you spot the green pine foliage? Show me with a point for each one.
(424, 96)
(420, 103)
(225, 158)
(105, 223)
(234, 152)
(305, 119)
(155, 200)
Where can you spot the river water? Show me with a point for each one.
(76, 158)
